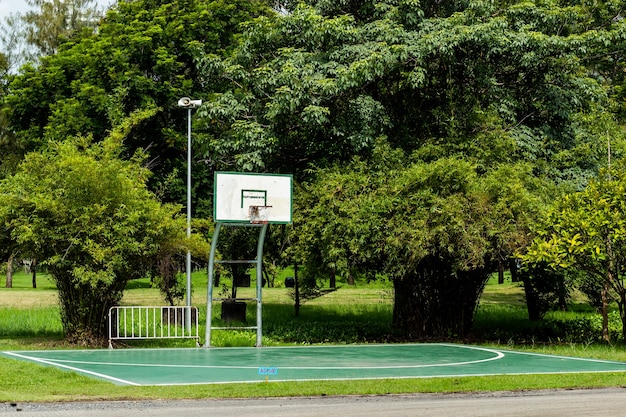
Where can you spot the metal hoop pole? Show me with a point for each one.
(209, 301)
(259, 286)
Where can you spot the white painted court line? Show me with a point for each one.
(160, 365)
(71, 368)
(546, 355)
(497, 355)
(147, 365)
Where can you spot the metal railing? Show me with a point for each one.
(152, 322)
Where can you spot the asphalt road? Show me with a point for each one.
(550, 403)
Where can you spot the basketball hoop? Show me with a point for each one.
(259, 214)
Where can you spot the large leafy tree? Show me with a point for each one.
(434, 228)
(464, 91)
(89, 218)
(141, 55)
(494, 83)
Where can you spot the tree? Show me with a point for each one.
(12, 43)
(9, 269)
(6, 247)
(465, 95)
(166, 274)
(26, 37)
(141, 54)
(544, 288)
(433, 228)
(587, 231)
(310, 89)
(53, 22)
(89, 217)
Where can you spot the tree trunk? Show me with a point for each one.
(532, 299)
(407, 315)
(513, 268)
(9, 281)
(333, 279)
(500, 273)
(605, 313)
(33, 269)
(84, 307)
(436, 302)
(297, 290)
(562, 295)
(622, 313)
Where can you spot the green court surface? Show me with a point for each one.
(229, 365)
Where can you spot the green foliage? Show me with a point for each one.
(545, 289)
(166, 274)
(141, 56)
(88, 217)
(428, 136)
(436, 229)
(448, 125)
(54, 22)
(342, 331)
(504, 325)
(587, 231)
(493, 82)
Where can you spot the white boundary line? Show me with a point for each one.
(382, 378)
(265, 348)
(71, 368)
(545, 355)
(498, 355)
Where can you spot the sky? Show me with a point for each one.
(12, 6)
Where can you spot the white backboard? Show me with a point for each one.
(235, 192)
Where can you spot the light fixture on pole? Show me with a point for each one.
(189, 104)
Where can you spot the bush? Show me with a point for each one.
(583, 329)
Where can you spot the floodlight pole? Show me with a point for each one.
(188, 268)
(190, 105)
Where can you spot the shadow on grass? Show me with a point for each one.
(33, 342)
(338, 323)
(138, 284)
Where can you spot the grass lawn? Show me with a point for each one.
(29, 320)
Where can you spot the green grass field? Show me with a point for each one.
(29, 320)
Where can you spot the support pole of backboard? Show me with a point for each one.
(259, 286)
(209, 298)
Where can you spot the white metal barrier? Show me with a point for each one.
(154, 322)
